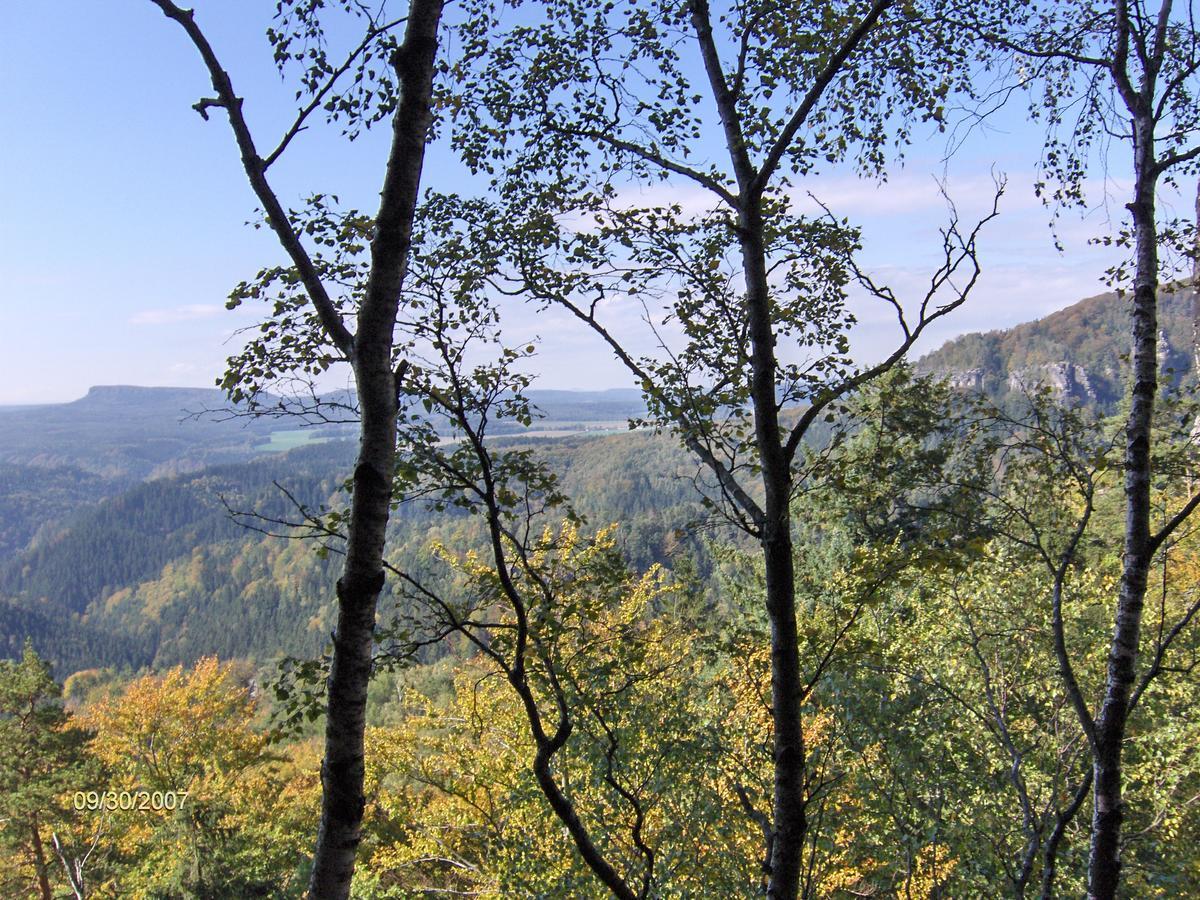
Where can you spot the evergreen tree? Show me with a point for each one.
(43, 760)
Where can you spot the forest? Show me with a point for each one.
(786, 621)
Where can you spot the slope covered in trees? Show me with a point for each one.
(165, 567)
(166, 552)
(1076, 351)
(57, 459)
(947, 757)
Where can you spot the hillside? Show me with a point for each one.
(158, 574)
(116, 547)
(1075, 351)
(120, 431)
(56, 459)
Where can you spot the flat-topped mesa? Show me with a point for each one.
(131, 393)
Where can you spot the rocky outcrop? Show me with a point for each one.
(1065, 380)
(970, 380)
(1079, 352)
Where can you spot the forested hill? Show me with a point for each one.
(1075, 351)
(160, 574)
(57, 459)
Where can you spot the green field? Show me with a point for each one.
(291, 439)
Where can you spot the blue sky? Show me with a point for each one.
(122, 213)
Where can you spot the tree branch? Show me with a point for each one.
(255, 169)
(726, 107)
(955, 256)
(298, 125)
(1178, 519)
(816, 90)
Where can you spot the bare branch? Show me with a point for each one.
(958, 250)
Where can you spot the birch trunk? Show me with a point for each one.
(1104, 865)
(342, 771)
(788, 803)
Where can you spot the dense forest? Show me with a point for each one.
(161, 569)
(921, 709)
(781, 621)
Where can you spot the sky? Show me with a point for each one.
(123, 214)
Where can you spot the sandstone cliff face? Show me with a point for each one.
(1075, 353)
(1065, 380)
(970, 380)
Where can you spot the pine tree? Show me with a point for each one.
(42, 760)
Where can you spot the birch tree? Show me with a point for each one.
(1115, 78)
(736, 103)
(388, 76)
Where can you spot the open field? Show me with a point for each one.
(290, 440)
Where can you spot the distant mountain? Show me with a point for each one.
(1076, 352)
(57, 458)
(119, 431)
(588, 406)
(572, 411)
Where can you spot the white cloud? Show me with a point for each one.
(907, 193)
(173, 314)
(691, 197)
